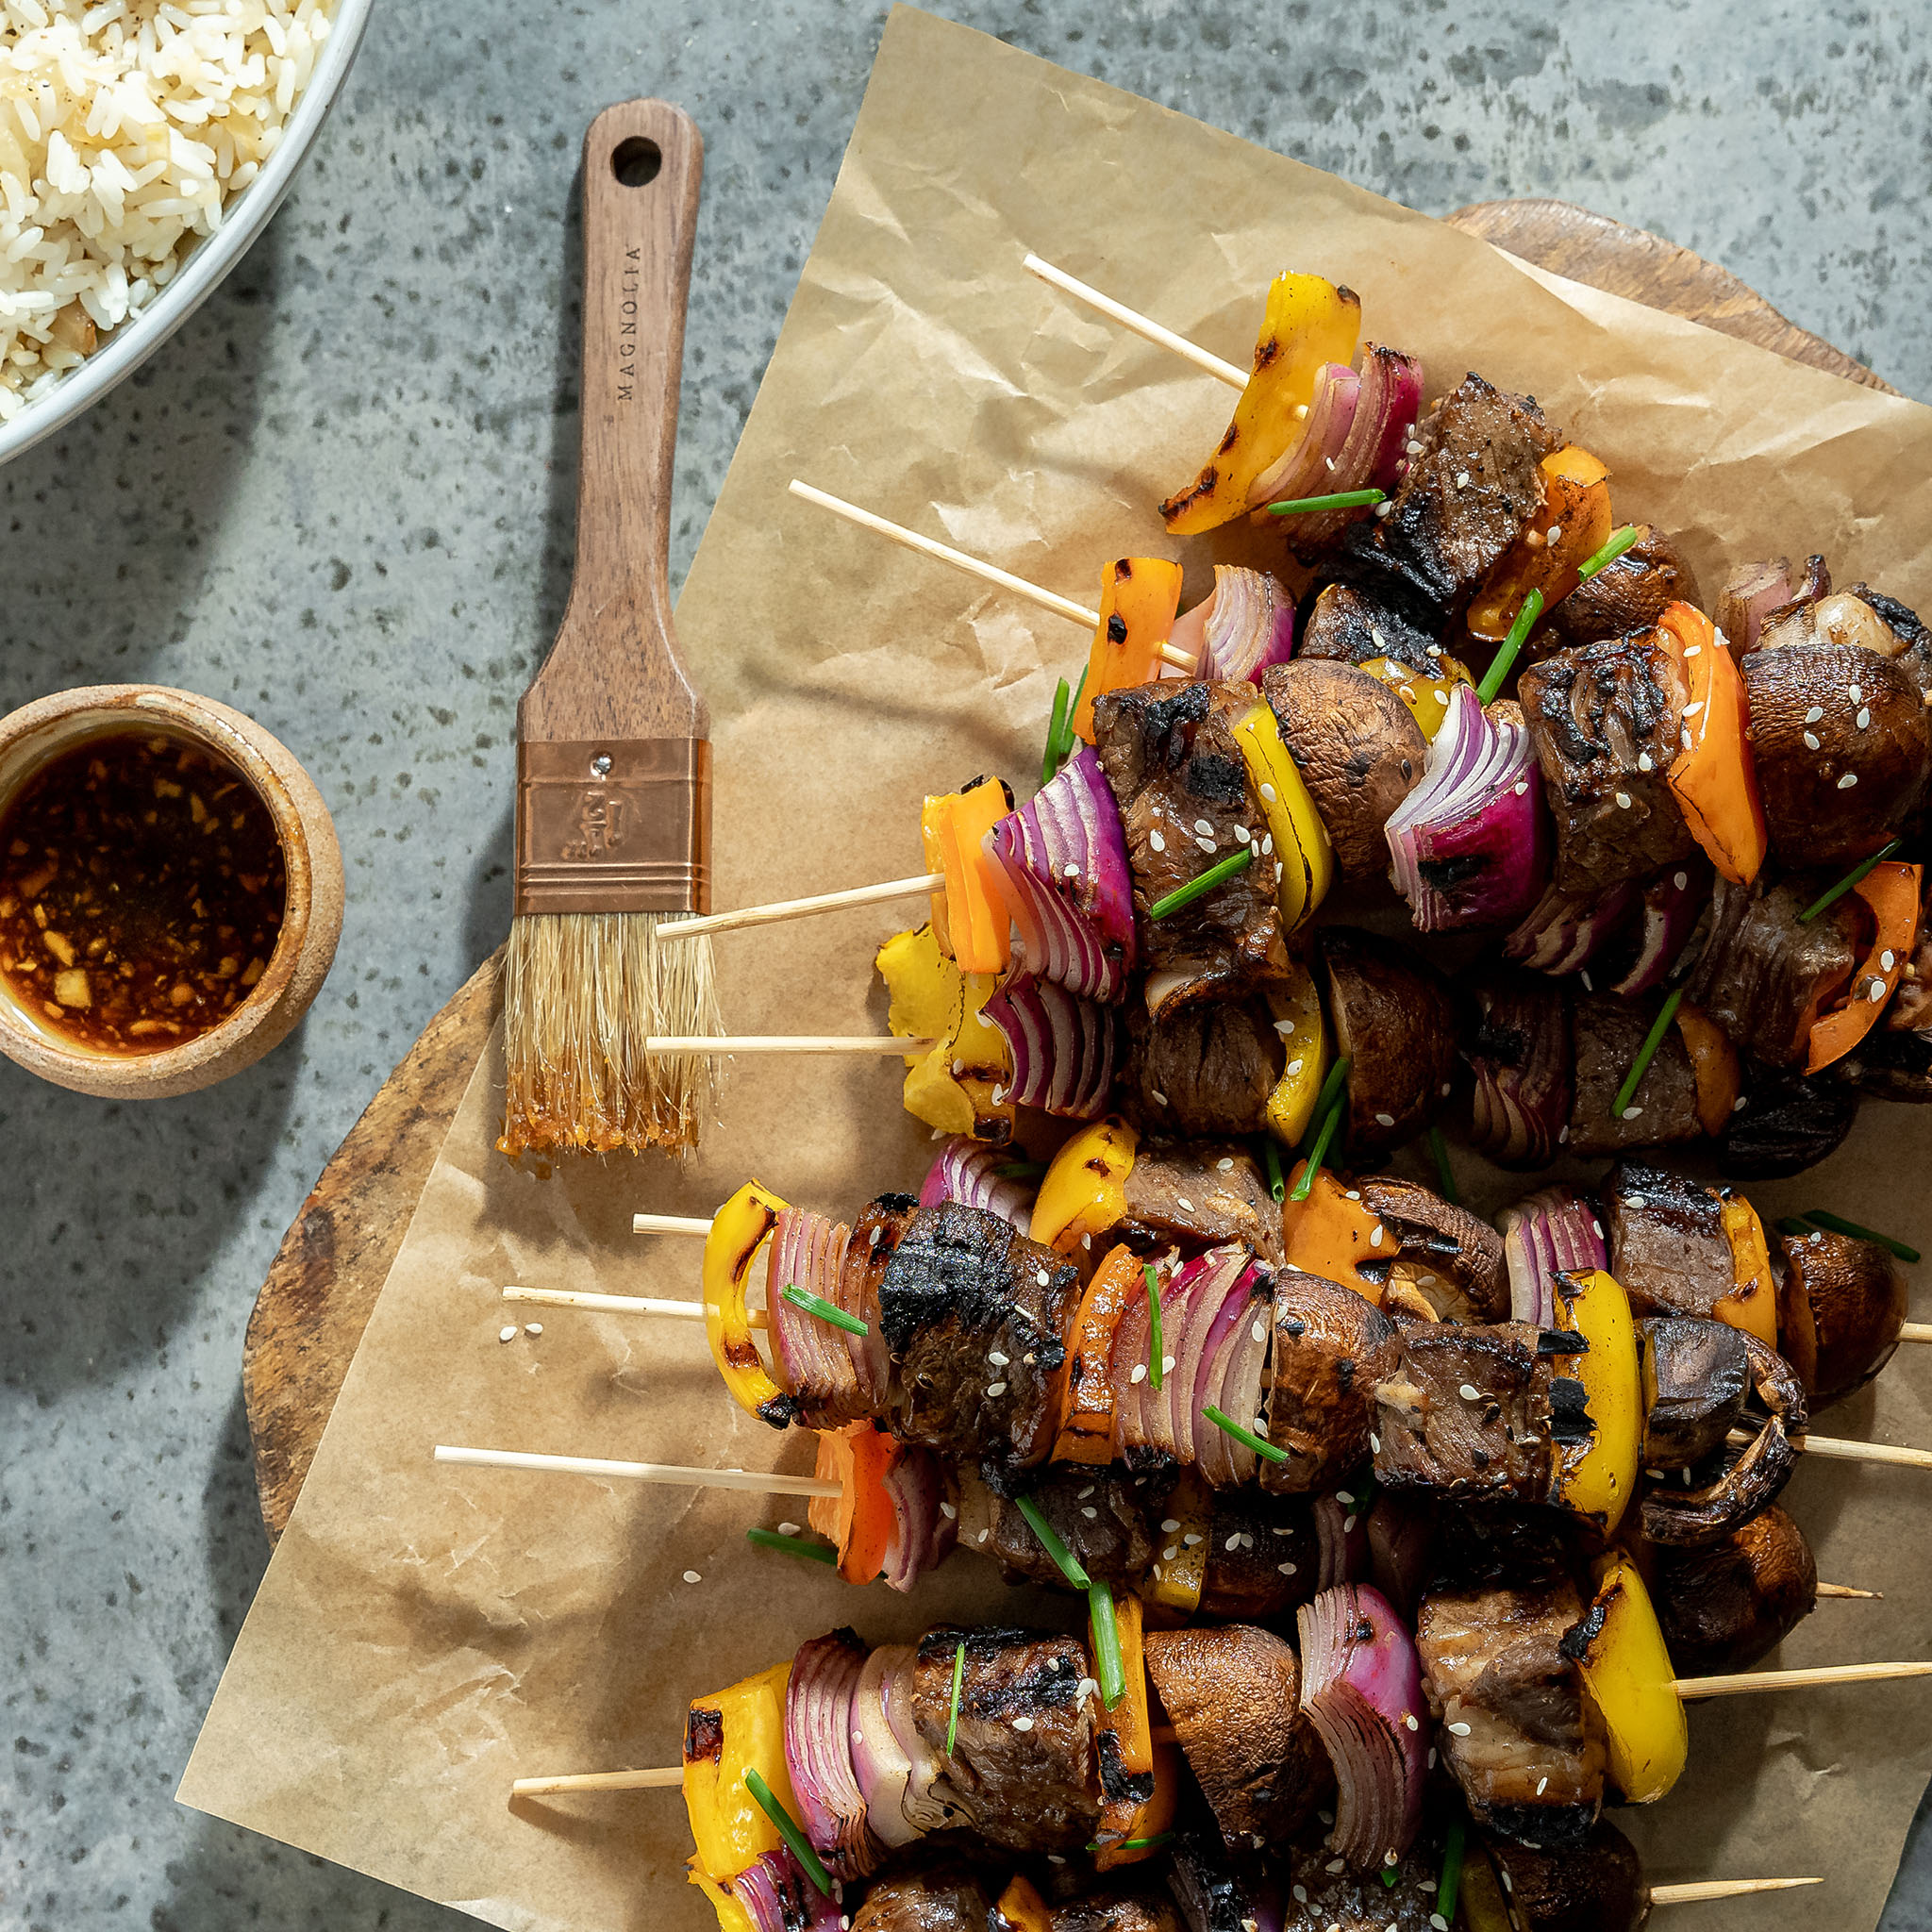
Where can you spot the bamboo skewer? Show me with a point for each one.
(621, 1303)
(1142, 325)
(1836, 1449)
(1846, 1590)
(1747, 1683)
(764, 1482)
(1915, 1331)
(802, 909)
(789, 1043)
(663, 1778)
(1723, 1888)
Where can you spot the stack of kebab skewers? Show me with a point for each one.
(1695, 823)
(1534, 1643)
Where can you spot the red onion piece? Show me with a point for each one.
(1564, 931)
(1246, 624)
(1470, 843)
(916, 1485)
(818, 1754)
(1555, 1231)
(1230, 1375)
(1362, 1687)
(880, 1760)
(925, 1763)
(1307, 467)
(1193, 1319)
(1751, 593)
(1063, 860)
(1341, 1542)
(808, 1251)
(779, 1897)
(1523, 1059)
(1673, 904)
(968, 1172)
(1376, 455)
(1063, 1047)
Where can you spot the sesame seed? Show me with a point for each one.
(1167, 1554)
(1169, 1524)
(1301, 412)
(1385, 1120)
(1374, 1443)
(1863, 719)
(1460, 1730)
(1090, 1513)
(1193, 1539)
(984, 1534)
(1623, 801)
(1888, 959)
(1816, 712)
(1684, 738)
(1878, 991)
(1072, 870)
(693, 1576)
(1414, 449)
(1334, 1865)
(508, 1332)
(1234, 1543)
(1167, 1365)
(873, 1241)
(1408, 1718)
(1432, 1766)
(1294, 1066)
(1376, 1236)
(1643, 762)
(1242, 833)
(533, 1327)
(1811, 740)
(1849, 779)
(1470, 1392)
(1206, 844)
(1086, 1493)
(1542, 1784)
(1352, 1195)
(1382, 509)
(1155, 839)
(1630, 1113)
(1281, 1532)
(1203, 827)
(1045, 1279)
(1138, 1372)
(1022, 1724)
(996, 1358)
(951, 1514)
(1438, 1922)
(995, 1388)
(1268, 792)
(1521, 786)
(1857, 694)
(1267, 844)
(1462, 479)
(1343, 1497)
(787, 1529)
(1681, 880)
(1185, 1203)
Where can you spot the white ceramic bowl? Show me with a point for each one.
(243, 219)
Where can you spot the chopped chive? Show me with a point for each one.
(1217, 873)
(1837, 1225)
(1647, 1052)
(792, 1545)
(1342, 499)
(958, 1681)
(1319, 1152)
(1338, 1076)
(1132, 1844)
(1056, 724)
(1506, 652)
(1069, 736)
(1620, 541)
(1020, 1171)
(1439, 1149)
(1451, 1883)
(1389, 1877)
(1256, 1444)
(1050, 1542)
(1798, 1229)
(1153, 1347)
(1108, 1667)
(1270, 1166)
(827, 1311)
(1845, 884)
(786, 1827)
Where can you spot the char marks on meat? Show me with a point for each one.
(1765, 975)
(1667, 1242)
(1604, 720)
(1627, 594)
(1332, 1347)
(1466, 1413)
(1608, 1033)
(1206, 1195)
(1102, 1515)
(1467, 496)
(1352, 627)
(1022, 1772)
(1204, 1065)
(1453, 1258)
(974, 1318)
(941, 1896)
(1117, 1910)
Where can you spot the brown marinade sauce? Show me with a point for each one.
(142, 892)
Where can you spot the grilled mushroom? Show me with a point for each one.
(1786, 1123)
(1523, 1059)
(1626, 595)
(1204, 1064)
(1695, 1378)
(1357, 748)
(1596, 1886)
(1453, 1259)
(1331, 1348)
(1842, 748)
(943, 1897)
(1725, 1605)
(1233, 1695)
(1839, 1309)
(1395, 1016)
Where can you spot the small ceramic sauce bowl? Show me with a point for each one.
(312, 914)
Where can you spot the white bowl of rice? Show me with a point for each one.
(143, 145)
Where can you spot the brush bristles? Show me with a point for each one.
(582, 992)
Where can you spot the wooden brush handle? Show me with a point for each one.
(613, 672)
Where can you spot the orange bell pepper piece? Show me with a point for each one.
(1892, 891)
(1086, 1434)
(1125, 1821)
(859, 1518)
(1751, 1304)
(1574, 526)
(1713, 778)
(968, 913)
(1020, 1908)
(1140, 597)
(1714, 1064)
(1330, 1235)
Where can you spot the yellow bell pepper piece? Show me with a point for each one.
(725, 1736)
(1303, 859)
(1751, 1304)
(1139, 599)
(1297, 1009)
(1626, 1668)
(1309, 322)
(1598, 1478)
(1084, 1192)
(732, 1917)
(1428, 698)
(1180, 1560)
(964, 1085)
(970, 920)
(737, 1232)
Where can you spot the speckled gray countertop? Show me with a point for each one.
(339, 499)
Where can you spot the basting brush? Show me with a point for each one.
(614, 815)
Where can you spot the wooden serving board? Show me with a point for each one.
(332, 1263)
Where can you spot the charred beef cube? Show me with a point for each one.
(1842, 744)
(1331, 1349)
(1206, 1195)
(1349, 627)
(1102, 1517)
(1765, 975)
(1667, 1242)
(1022, 1772)
(1187, 803)
(945, 1896)
(1452, 1259)
(1608, 1033)
(1215, 1892)
(1626, 595)
(1604, 720)
(1264, 1555)
(1204, 1065)
(1395, 1017)
(1328, 1895)
(974, 1318)
(1695, 1378)
(1467, 1414)
(1518, 1735)
(1233, 1696)
(1117, 1908)
(1467, 496)
(876, 1236)
(1786, 1123)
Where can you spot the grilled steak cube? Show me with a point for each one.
(1023, 1770)
(1765, 975)
(1187, 803)
(974, 1319)
(1628, 595)
(1204, 1065)
(1351, 628)
(1695, 1378)
(1518, 1735)
(1207, 1193)
(1329, 1897)
(1608, 1033)
(1467, 496)
(1452, 1259)
(1467, 1413)
(1117, 1910)
(1264, 1555)
(1597, 1886)
(938, 1897)
(1102, 1515)
(1667, 1242)
(1604, 720)
(1331, 1349)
